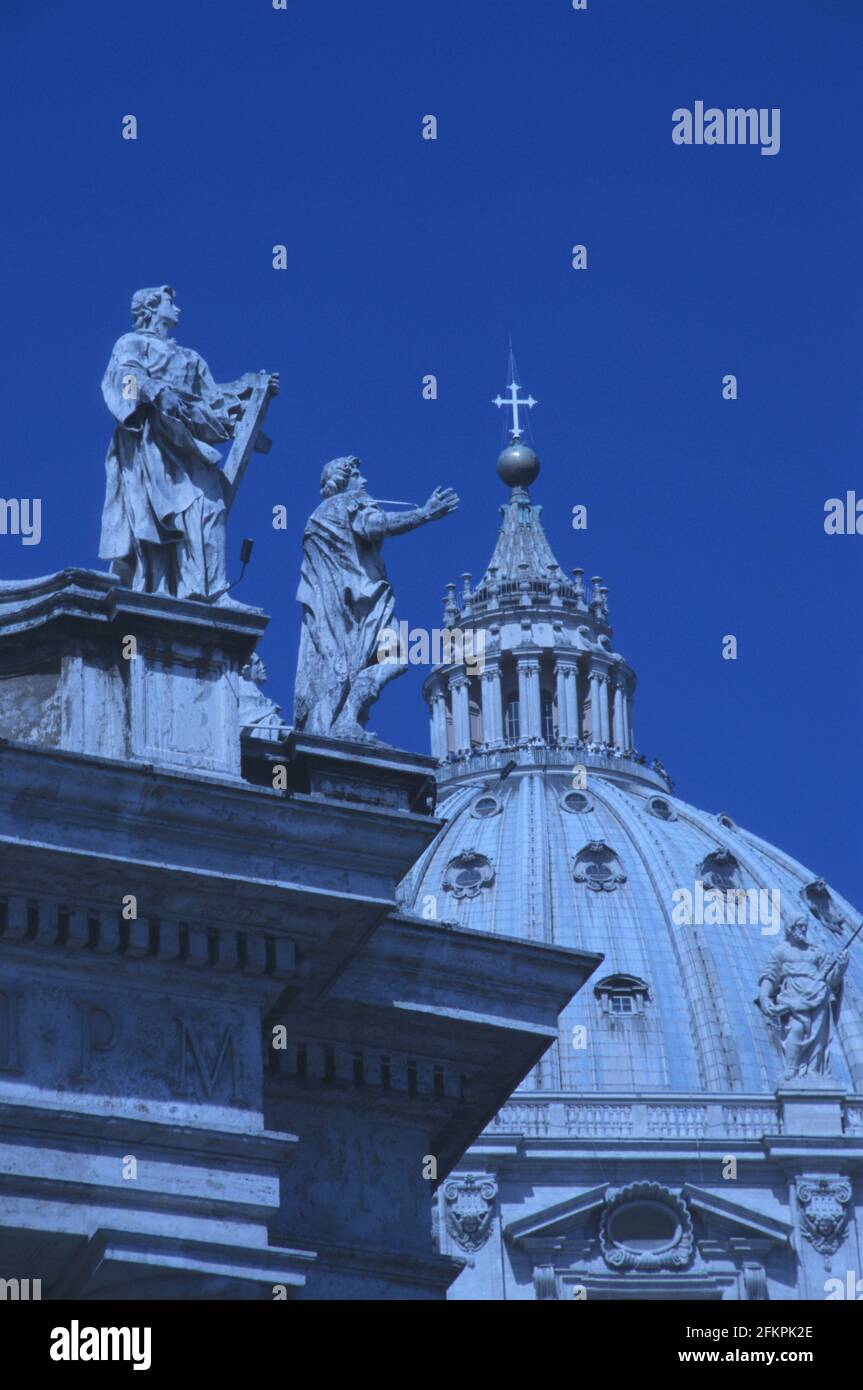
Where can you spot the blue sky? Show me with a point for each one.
(408, 257)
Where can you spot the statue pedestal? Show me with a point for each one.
(370, 774)
(809, 1110)
(91, 668)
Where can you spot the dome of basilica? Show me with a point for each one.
(693, 1128)
(613, 869)
(558, 830)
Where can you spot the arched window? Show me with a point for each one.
(475, 722)
(512, 720)
(547, 716)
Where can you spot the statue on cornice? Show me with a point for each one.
(259, 716)
(800, 994)
(167, 496)
(348, 602)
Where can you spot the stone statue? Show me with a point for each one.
(348, 602)
(259, 716)
(800, 993)
(167, 498)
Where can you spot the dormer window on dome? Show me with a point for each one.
(622, 996)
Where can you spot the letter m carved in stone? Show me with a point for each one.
(195, 1076)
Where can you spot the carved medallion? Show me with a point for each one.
(645, 1226)
(599, 867)
(720, 870)
(469, 1206)
(817, 897)
(824, 1209)
(467, 874)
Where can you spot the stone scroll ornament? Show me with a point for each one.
(167, 496)
(348, 608)
(800, 994)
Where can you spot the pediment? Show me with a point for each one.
(721, 1219)
(735, 1218)
(558, 1221)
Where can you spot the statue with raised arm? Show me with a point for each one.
(800, 994)
(167, 497)
(348, 602)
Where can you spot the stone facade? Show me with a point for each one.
(230, 1065)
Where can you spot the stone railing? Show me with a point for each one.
(541, 755)
(658, 1118)
(514, 593)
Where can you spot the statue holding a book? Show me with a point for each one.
(167, 495)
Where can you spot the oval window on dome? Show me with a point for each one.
(643, 1226)
(659, 807)
(485, 806)
(576, 802)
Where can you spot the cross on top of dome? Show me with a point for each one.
(513, 404)
(518, 465)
